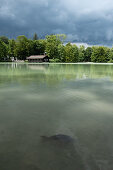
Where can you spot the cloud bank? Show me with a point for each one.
(82, 20)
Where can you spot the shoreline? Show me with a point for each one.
(81, 63)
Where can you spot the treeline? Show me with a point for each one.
(53, 46)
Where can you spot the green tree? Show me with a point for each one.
(39, 47)
(75, 53)
(68, 53)
(3, 51)
(62, 37)
(52, 43)
(81, 56)
(4, 39)
(88, 54)
(35, 36)
(61, 52)
(110, 55)
(71, 53)
(99, 54)
(11, 48)
(23, 47)
(107, 52)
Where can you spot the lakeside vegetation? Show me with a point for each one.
(53, 45)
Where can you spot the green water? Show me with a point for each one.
(49, 99)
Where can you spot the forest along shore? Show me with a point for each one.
(53, 46)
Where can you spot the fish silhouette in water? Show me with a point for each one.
(60, 138)
(69, 152)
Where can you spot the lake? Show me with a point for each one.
(49, 99)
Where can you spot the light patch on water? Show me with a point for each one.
(101, 106)
(35, 97)
(80, 94)
(91, 101)
(44, 96)
(11, 89)
(108, 87)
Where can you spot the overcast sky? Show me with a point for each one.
(81, 20)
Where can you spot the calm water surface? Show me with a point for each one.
(37, 100)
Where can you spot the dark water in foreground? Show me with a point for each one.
(75, 100)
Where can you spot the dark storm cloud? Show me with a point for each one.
(81, 20)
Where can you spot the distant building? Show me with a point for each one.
(38, 58)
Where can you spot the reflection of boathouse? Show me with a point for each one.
(38, 58)
(39, 67)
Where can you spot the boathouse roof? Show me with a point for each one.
(36, 57)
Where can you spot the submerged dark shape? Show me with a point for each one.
(60, 138)
(67, 151)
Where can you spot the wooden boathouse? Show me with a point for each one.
(38, 58)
